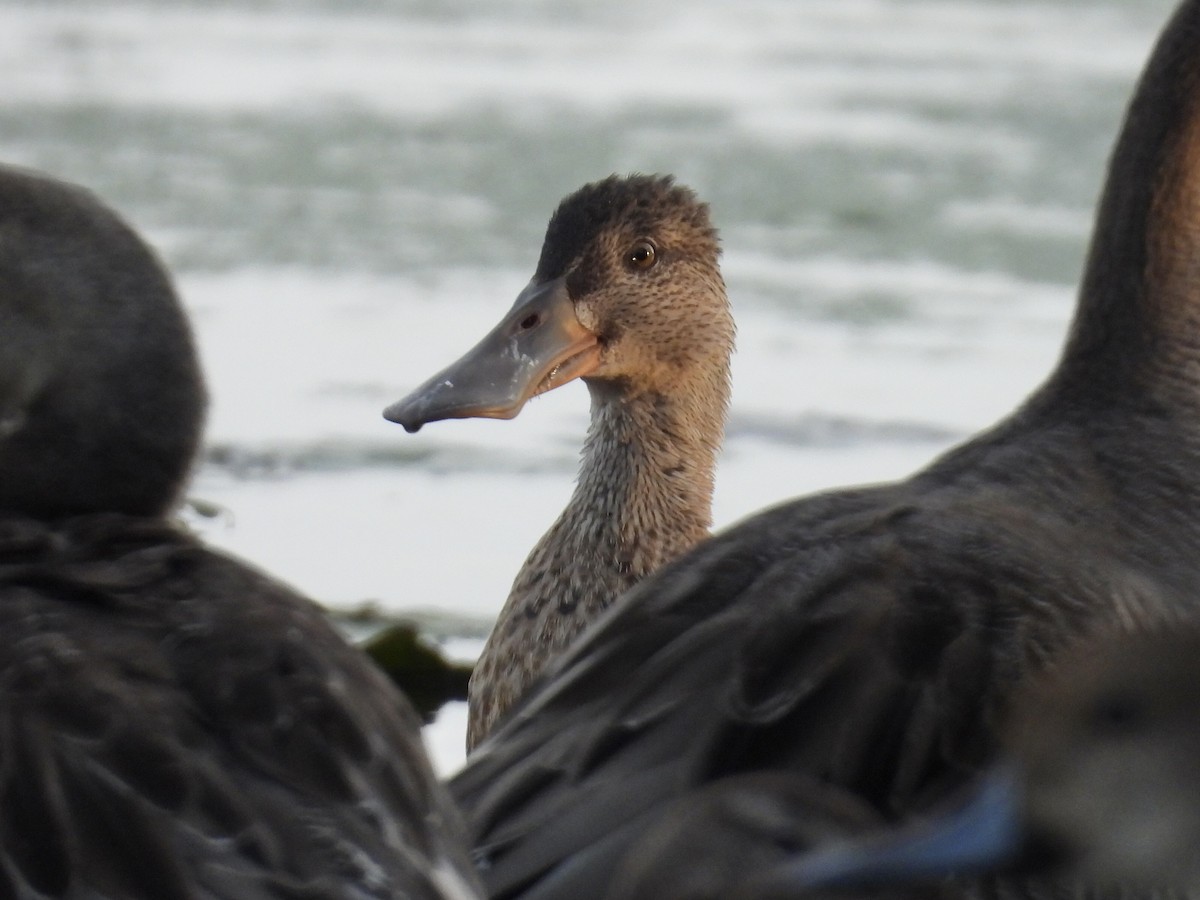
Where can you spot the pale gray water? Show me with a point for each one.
(350, 192)
(407, 137)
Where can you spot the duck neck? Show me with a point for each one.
(644, 494)
(1137, 327)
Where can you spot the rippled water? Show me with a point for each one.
(351, 192)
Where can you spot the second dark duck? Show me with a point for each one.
(868, 638)
(173, 723)
(628, 296)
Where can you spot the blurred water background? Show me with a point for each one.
(350, 192)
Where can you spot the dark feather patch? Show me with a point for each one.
(638, 203)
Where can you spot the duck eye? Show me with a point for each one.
(641, 256)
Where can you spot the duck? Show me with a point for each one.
(1096, 784)
(627, 296)
(173, 722)
(869, 637)
(761, 835)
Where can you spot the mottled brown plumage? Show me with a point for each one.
(659, 385)
(868, 638)
(173, 723)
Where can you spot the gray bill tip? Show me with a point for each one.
(396, 413)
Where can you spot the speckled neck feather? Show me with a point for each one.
(644, 496)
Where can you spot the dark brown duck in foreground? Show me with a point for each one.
(867, 638)
(627, 296)
(173, 723)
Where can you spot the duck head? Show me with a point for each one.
(627, 295)
(1108, 749)
(101, 397)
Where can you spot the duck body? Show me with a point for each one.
(771, 836)
(1098, 784)
(868, 638)
(628, 296)
(173, 723)
(176, 724)
(870, 646)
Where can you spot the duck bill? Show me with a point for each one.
(983, 833)
(538, 346)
